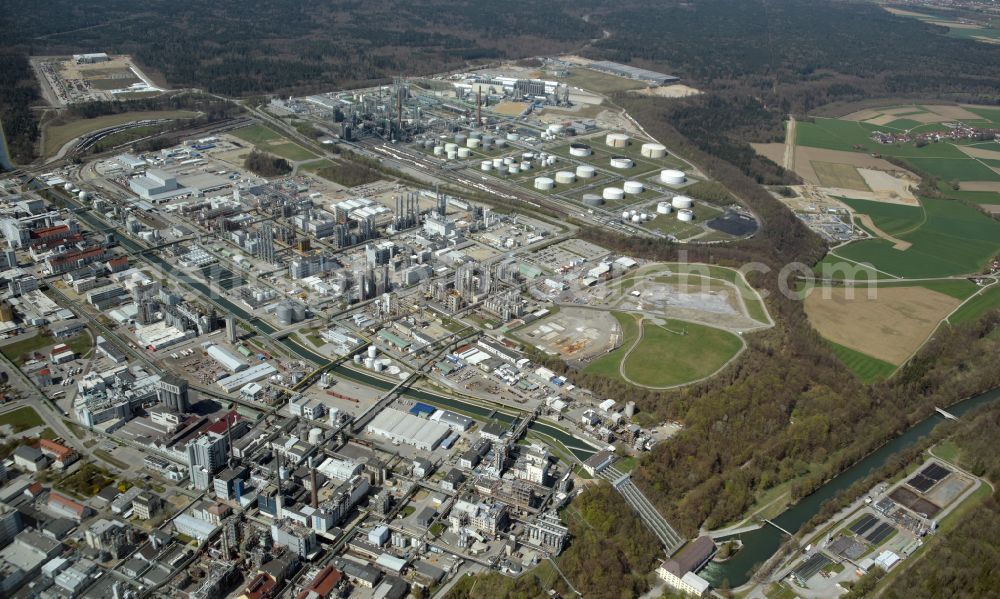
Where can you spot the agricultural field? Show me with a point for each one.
(985, 30)
(596, 81)
(270, 141)
(674, 352)
(967, 162)
(888, 324)
(56, 136)
(865, 367)
(986, 300)
(945, 238)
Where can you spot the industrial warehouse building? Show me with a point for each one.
(400, 427)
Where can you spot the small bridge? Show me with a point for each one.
(771, 522)
(946, 414)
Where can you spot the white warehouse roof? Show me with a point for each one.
(401, 427)
(226, 358)
(251, 375)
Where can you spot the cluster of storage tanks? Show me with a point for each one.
(682, 204)
(512, 165)
(462, 144)
(636, 217)
(370, 359)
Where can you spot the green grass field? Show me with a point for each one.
(957, 288)
(271, 141)
(679, 352)
(21, 419)
(607, 365)
(949, 238)
(866, 368)
(977, 306)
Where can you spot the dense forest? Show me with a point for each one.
(266, 165)
(18, 92)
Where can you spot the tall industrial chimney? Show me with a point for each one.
(312, 484)
(479, 107)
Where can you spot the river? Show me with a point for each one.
(759, 545)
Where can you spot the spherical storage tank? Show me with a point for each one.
(664, 208)
(682, 202)
(565, 177)
(544, 183)
(621, 162)
(68, 186)
(580, 150)
(84, 196)
(613, 193)
(685, 215)
(637, 218)
(616, 140)
(633, 187)
(653, 150)
(671, 176)
(585, 171)
(592, 199)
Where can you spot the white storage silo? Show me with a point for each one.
(439, 150)
(681, 202)
(544, 183)
(616, 140)
(585, 171)
(621, 162)
(652, 150)
(450, 147)
(664, 208)
(580, 150)
(472, 143)
(486, 165)
(497, 162)
(372, 351)
(565, 177)
(613, 193)
(685, 215)
(464, 152)
(452, 154)
(633, 187)
(671, 176)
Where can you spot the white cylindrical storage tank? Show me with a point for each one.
(486, 165)
(464, 152)
(544, 183)
(637, 218)
(652, 150)
(379, 365)
(550, 160)
(439, 150)
(625, 215)
(565, 177)
(616, 140)
(372, 351)
(315, 436)
(671, 176)
(681, 202)
(452, 154)
(501, 143)
(369, 363)
(357, 358)
(630, 409)
(508, 160)
(528, 155)
(513, 169)
(621, 162)
(513, 137)
(585, 171)
(450, 147)
(497, 162)
(554, 129)
(685, 215)
(645, 216)
(472, 143)
(664, 208)
(525, 165)
(613, 193)
(633, 187)
(580, 150)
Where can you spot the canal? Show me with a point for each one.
(759, 545)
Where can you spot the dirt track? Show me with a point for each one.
(898, 244)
